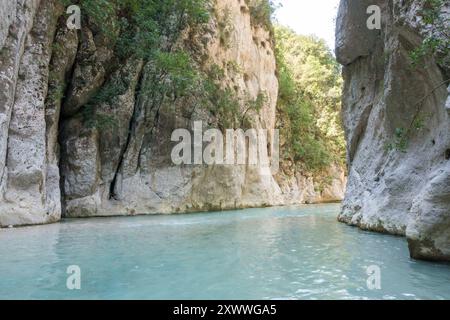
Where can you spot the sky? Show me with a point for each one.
(307, 17)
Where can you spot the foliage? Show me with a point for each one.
(146, 30)
(148, 24)
(101, 13)
(178, 66)
(55, 88)
(231, 109)
(150, 30)
(225, 26)
(437, 42)
(309, 100)
(93, 117)
(261, 12)
(400, 141)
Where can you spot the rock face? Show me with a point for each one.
(55, 159)
(106, 173)
(406, 191)
(29, 179)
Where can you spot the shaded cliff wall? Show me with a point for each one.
(127, 169)
(65, 152)
(397, 126)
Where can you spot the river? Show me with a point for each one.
(273, 253)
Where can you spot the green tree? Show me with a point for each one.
(309, 100)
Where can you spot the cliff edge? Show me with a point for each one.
(396, 117)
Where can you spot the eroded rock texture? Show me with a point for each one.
(29, 177)
(406, 191)
(63, 152)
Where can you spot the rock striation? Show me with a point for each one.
(397, 126)
(54, 163)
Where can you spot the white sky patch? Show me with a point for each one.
(306, 17)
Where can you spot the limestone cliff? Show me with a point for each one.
(29, 175)
(65, 152)
(397, 124)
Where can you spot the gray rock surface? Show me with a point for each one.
(29, 191)
(109, 172)
(404, 192)
(62, 153)
(8, 14)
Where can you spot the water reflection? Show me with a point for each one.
(275, 253)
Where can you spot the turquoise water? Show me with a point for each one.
(274, 253)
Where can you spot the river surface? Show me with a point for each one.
(274, 253)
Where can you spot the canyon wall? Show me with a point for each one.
(29, 175)
(64, 153)
(396, 117)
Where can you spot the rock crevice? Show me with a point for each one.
(65, 152)
(398, 174)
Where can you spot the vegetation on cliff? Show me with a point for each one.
(435, 45)
(147, 30)
(437, 41)
(309, 101)
(154, 31)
